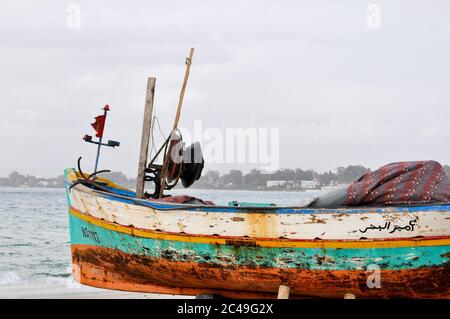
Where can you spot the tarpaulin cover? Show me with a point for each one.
(403, 183)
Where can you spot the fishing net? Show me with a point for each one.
(402, 183)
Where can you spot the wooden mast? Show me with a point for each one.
(183, 88)
(175, 123)
(145, 140)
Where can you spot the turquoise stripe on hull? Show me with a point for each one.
(86, 233)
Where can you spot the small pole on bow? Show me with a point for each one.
(99, 127)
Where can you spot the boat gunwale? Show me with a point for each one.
(252, 209)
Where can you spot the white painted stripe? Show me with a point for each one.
(330, 225)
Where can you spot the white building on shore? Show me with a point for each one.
(309, 184)
(276, 183)
(304, 184)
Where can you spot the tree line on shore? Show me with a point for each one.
(257, 180)
(234, 179)
(15, 179)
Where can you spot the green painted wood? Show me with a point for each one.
(83, 232)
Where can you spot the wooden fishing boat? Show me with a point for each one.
(127, 240)
(121, 242)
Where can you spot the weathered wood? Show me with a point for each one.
(183, 88)
(320, 251)
(175, 123)
(283, 292)
(145, 140)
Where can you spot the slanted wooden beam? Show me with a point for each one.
(168, 153)
(183, 88)
(145, 140)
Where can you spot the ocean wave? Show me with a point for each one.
(9, 278)
(53, 276)
(66, 280)
(21, 245)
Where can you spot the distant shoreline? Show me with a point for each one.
(25, 187)
(297, 180)
(181, 188)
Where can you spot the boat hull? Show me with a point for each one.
(122, 243)
(107, 256)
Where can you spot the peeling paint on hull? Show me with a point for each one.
(112, 269)
(119, 261)
(118, 243)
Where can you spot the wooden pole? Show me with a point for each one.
(183, 88)
(145, 139)
(283, 292)
(175, 123)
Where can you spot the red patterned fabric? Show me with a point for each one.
(402, 183)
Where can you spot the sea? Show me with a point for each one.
(34, 232)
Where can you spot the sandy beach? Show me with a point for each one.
(74, 291)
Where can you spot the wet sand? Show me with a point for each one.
(74, 291)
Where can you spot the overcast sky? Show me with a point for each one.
(340, 92)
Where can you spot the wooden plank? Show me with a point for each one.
(283, 292)
(145, 140)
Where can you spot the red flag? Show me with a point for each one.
(99, 125)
